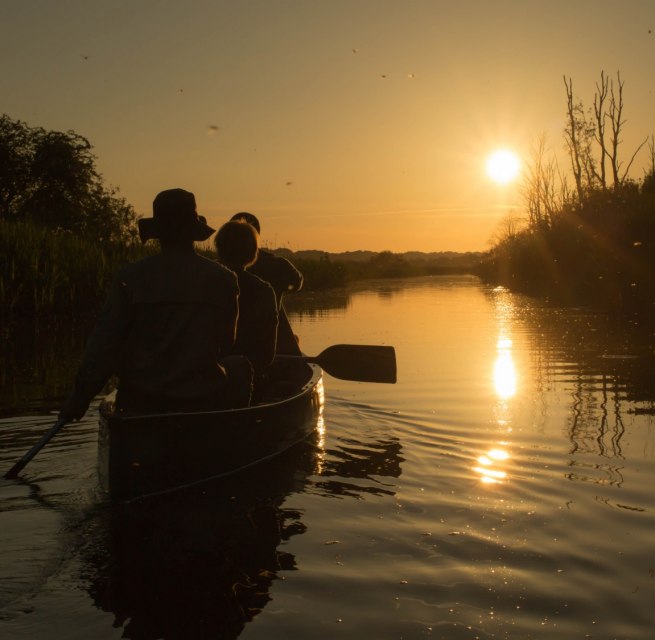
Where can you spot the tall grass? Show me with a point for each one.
(47, 273)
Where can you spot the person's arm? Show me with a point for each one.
(291, 276)
(102, 352)
(279, 272)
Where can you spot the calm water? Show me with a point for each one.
(502, 489)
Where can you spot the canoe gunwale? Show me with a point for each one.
(317, 373)
(142, 455)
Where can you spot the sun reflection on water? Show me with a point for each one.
(320, 431)
(504, 370)
(491, 465)
(488, 465)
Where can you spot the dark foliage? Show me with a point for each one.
(49, 178)
(599, 251)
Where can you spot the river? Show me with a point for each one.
(503, 488)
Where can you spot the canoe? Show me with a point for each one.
(140, 455)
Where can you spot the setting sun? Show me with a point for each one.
(503, 166)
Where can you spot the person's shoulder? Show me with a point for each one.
(215, 269)
(255, 283)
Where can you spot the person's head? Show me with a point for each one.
(247, 217)
(174, 219)
(237, 244)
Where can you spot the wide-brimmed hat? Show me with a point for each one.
(174, 215)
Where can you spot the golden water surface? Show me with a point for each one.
(501, 489)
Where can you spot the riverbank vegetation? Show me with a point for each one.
(324, 270)
(588, 235)
(47, 272)
(63, 233)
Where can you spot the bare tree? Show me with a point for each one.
(509, 226)
(600, 115)
(572, 135)
(648, 184)
(615, 115)
(587, 139)
(651, 155)
(544, 189)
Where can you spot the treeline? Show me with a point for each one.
(47, 273)
(326, 271)
(588, 236)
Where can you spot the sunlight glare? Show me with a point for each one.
(503, 166)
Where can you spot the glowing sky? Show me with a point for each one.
(359, 124)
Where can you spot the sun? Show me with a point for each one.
(503, 166)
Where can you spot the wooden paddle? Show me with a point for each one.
(18, 467)
(360, 362)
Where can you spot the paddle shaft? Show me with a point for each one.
(20, 465)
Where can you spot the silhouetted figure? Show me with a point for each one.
(283, 277)
(168, 321)
(236, 246)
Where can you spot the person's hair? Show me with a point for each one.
(237, 243)
(247, 217)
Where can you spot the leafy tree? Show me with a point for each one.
(50, 178)
(15, 165)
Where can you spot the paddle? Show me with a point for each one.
(18, 467)
(360, 362)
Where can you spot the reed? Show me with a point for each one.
(52, 273)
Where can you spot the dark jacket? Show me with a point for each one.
(284, 278)
(278, 272)
(257, 324)
(167, 321)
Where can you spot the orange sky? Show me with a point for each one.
(344, 125)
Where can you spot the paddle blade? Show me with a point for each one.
(360, 362)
